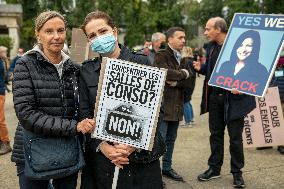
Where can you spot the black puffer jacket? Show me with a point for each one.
(43, 101)
(18, 152)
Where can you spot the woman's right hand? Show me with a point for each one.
(117, 156)
(86, 126)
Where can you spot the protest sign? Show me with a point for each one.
(264, 126)
(249, 54)
(80, 48)
(128, 102)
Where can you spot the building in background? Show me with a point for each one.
(10, 23)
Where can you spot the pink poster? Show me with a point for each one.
(264, 126)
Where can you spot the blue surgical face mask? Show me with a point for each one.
(103, 44)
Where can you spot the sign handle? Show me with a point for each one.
(115, 177)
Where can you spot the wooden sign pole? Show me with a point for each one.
(115, 177)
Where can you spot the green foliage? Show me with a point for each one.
(197, 41)
(30, 11)
(164, 14)
(76, 17)
(27, 31)
(209, 9)
(12, 1)
(27, 35)
(116, 9)
(192, 13)
(6, 41)
(236, 6)
(158, 16)
(273, 6)
(141, 18)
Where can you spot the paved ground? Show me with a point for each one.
(263, 169)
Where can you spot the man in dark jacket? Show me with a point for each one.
(225, 108)
(178, 76)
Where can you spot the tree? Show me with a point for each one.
(191, 11)
(6, 41)
(209, 9)
(152, 16)
(272, 6)
(30, 10)
(142, 18)
(236, 6)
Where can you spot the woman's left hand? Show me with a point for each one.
(124, 149)
(120, 157)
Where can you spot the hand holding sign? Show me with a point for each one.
(121, 157)
(86, 126)
(117, 156)
(235, 91)
(125, 149)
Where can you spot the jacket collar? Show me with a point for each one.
(170, 50)
(39, 55)
(173, 53)
(124, 52)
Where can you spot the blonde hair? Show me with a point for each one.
(43, 17)
(187, 52)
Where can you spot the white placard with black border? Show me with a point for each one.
(128, 102)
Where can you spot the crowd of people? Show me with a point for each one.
(54, 98)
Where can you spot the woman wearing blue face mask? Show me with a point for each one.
(101, 156)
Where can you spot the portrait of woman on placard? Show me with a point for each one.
(244, 62)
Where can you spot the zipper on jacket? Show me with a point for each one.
(62, 89)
